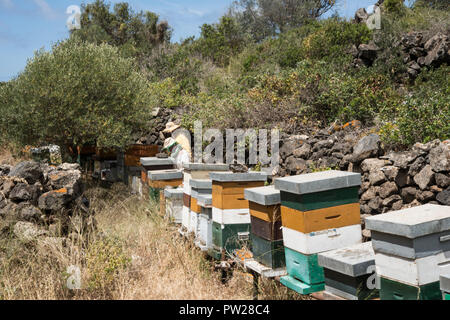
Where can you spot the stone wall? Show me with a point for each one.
(41, 200)
(390, 180)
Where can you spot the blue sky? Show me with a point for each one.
(28, 25)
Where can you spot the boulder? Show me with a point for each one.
(377, 178)
(289, 146)
(425, 196)
(408, 194)
(28, 170)
(391, 200)
(373, 164)
(387, 189)
(6, 187)
(370, 194)
(444, 197)
(54, 200)
(28, 212)
(4, 169)
(403, 159)
(361, 15)
(27, 231)
(367, 147)
(442, 180)
(438, 50)
(303, 152)
(294, 165)
(416, 166)
(397, 205)
(24, 192)
(70, 179)
(440, 158)
(375, 204)
(390, 172)
(425, 177)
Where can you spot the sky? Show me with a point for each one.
(29, 25)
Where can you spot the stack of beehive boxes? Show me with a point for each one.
(266, 235)
(204, 238)
(350, 272)
(194, 171)
(153, 164)
(444, 280)
(174, 204)
(319, 212)
(160, 179)
(409, 246)
(231, 215)
(199, 187)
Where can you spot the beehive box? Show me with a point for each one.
(267, 238)
(134, 154)
(196, 171)
(204, 238)
(199, 187)
(174, 204)
(409, 246)
(347, 271)
(444, 280)
(319, 212)
(231, 214)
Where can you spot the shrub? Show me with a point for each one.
(76, 94)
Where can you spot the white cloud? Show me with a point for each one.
(45, 9)
(6, 3)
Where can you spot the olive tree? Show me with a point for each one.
(78, 93)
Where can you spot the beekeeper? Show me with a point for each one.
(178, 146)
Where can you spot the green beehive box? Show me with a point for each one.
(319, 200)
(230, 237)
(301, 287)
(268, 253)
(304, 267)
(154, 194)
(393, 290)
(447, 296)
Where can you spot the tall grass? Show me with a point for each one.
(134, 254)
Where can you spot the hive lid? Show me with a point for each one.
(353, 261)
(237, 177)
(318, 182)
(153, 161)
(198, 192)
(204, 200)
(413, 222)
(200, 183)
(266, 196)
(206, 166)
(161, 175)
(173, 193)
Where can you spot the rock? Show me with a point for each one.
(70, 180)
(344, 148)
(402, 178)
(238, 168)
(4, 169)
(366, 147)
(54, 200)
(27, 231)
(294, 165)
(440, 158)
(425, 177)
(390, 172)
(414, 203)
(416, 166)
(324, 144)
(397, 205)
(373, 164)
(408, 194)
(303, 152)
(288, 147)
(366, 233)
(370, 194)
(377, 178)
(27, 212)
(365, 209)
(435, 189)
(368, 52)
(411, 40)
(69, 167)
(6, 187)
(444, 197)
(438, 50)
(442, 180)
(403, 159)
(375, 204)
(425, 196)
(24, 192)
(30, 171)
(387, 189)
(391, 200)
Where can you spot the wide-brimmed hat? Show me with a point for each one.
(168, 143)
(171, 127)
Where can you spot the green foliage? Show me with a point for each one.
(394, 6)
(424, 114)
(76, 94)
(136, 34)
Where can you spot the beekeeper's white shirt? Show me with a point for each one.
(180, 156)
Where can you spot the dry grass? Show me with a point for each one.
(134, 255)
